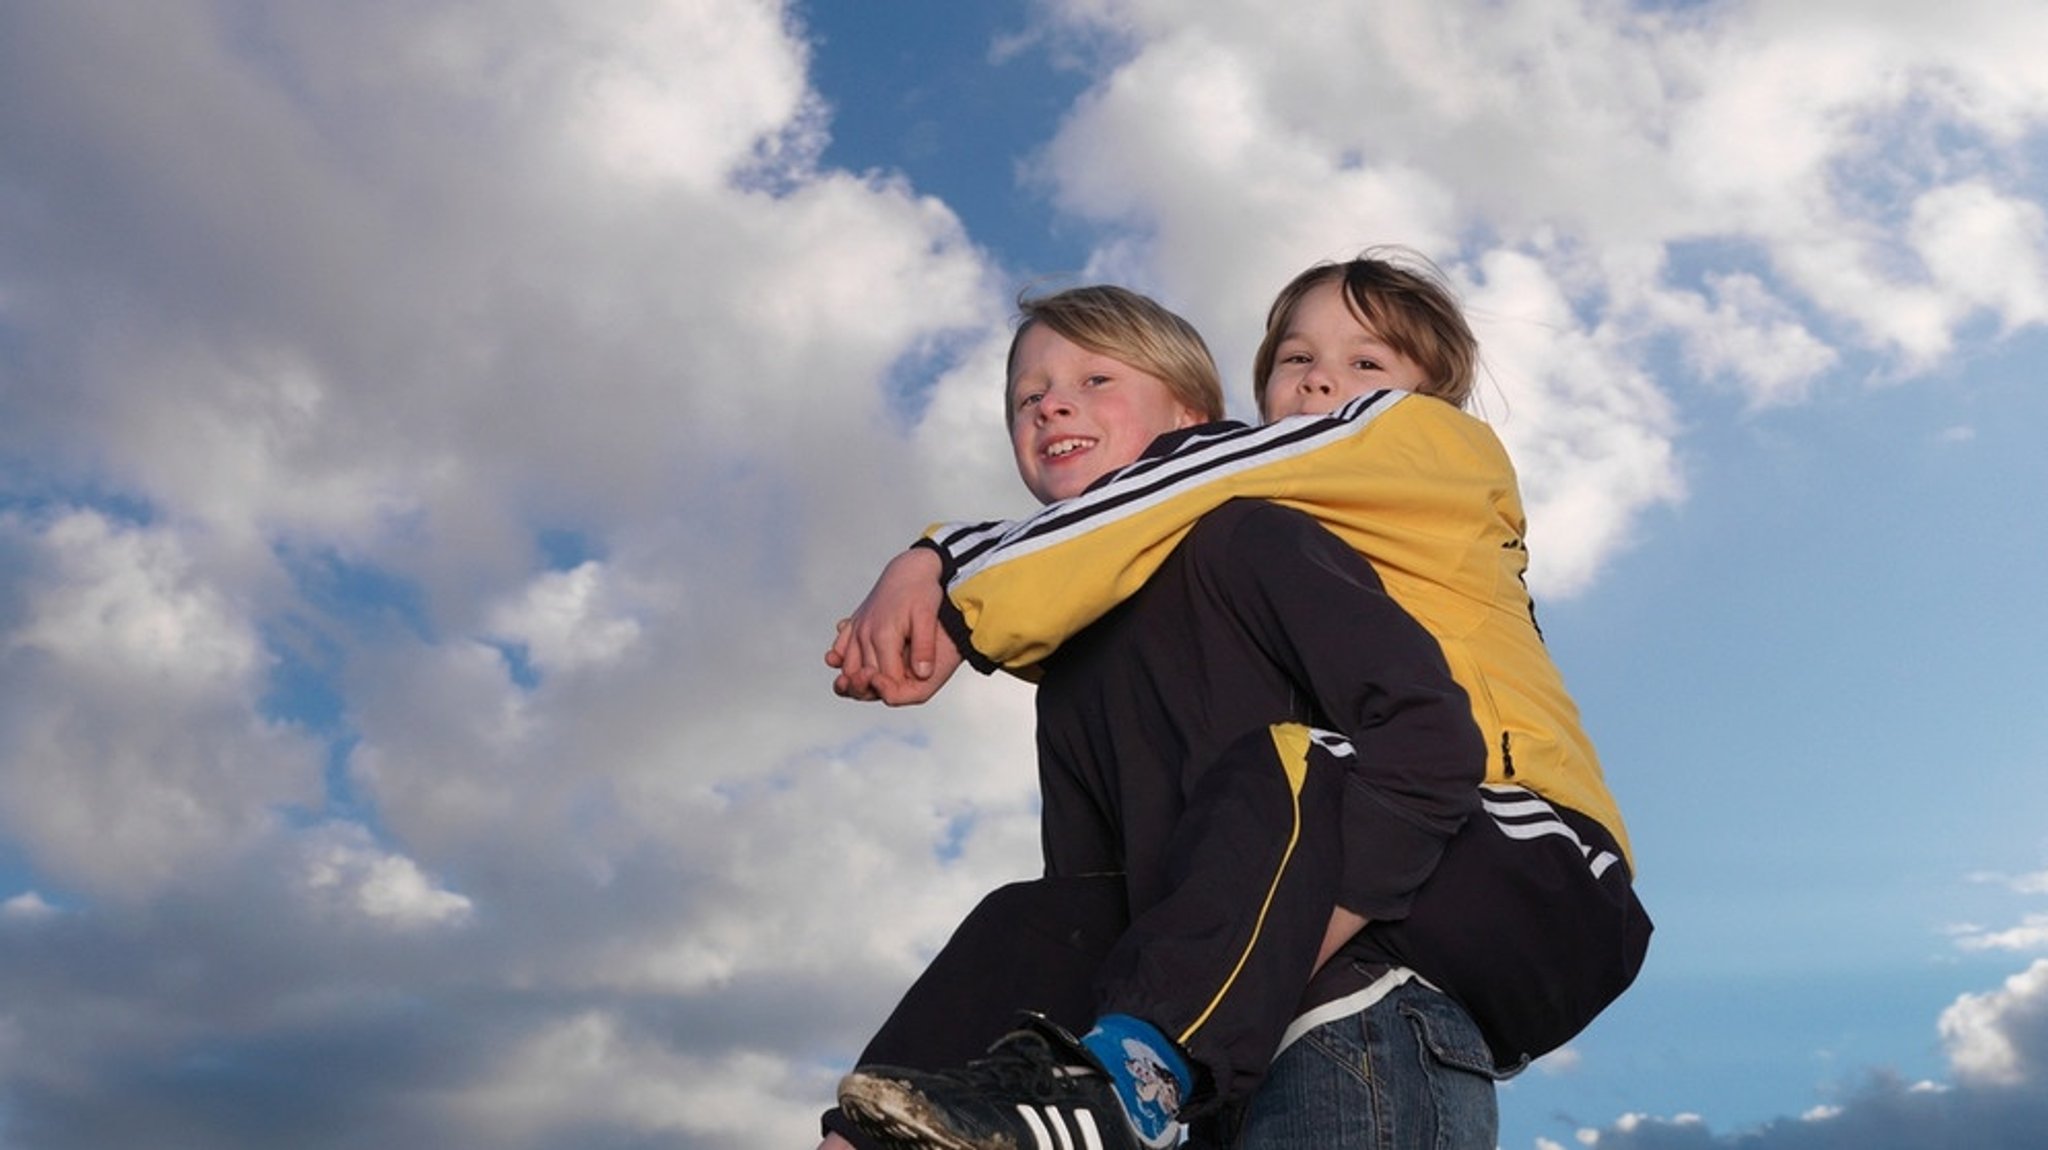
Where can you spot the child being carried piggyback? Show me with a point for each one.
(1290, 682)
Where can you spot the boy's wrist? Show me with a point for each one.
(946, 564)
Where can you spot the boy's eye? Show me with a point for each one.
(1365, 364)
(1294, 357)
(1029, 399)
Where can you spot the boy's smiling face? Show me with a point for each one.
(1327, 355)
(1076, 414)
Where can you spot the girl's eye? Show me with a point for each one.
(1095, 381)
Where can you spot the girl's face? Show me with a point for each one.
(1076, 415)
(1327, 356)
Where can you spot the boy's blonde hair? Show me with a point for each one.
(1129, 328)
(1402, 297)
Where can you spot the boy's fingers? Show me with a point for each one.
(923, 644)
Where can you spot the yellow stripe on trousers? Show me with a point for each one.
(1291, 741)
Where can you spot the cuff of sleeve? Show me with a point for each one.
(949, 616)
(955, 624)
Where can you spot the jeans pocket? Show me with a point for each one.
(1450, 1036)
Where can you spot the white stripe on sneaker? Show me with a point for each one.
(1058, 1122)
(1038, 1133)
(1051, 1131)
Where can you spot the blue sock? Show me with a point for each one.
(1150, 1073)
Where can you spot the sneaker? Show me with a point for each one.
(1038, 1089)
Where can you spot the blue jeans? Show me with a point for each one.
(1409, 1072)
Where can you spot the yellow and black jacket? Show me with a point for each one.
(1423, 491)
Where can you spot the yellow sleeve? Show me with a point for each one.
(1374, 472)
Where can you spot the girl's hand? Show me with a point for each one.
(1343, 924)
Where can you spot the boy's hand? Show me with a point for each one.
(892, 649)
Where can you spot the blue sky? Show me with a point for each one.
(435, 442)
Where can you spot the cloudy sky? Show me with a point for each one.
(436, 439)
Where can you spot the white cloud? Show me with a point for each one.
(28, 906)
(1563, 1060)
(590, 1071)
(122, 603)
(1774, 192)
(1997, 1038)
(344, 867)
(564, 620)
(133, 751)
(356, 310)
(1997, 1046)
(315, 321)
(1986, 248)
(1589, 432)
(2032, 883)
(1739, 329)
(638, 70)
(2030, 934)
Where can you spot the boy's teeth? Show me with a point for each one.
(1065, 446)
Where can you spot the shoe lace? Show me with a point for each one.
(1025, 1064)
